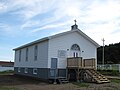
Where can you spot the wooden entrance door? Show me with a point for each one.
(53, 69)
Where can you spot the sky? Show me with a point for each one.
(23, 21)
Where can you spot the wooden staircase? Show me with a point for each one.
(96, 76)
(62, 80)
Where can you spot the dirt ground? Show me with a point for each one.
(26, 83)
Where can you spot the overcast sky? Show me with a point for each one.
(23, 21)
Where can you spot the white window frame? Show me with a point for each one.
(34, 70)
(18, 69)
(26, 70)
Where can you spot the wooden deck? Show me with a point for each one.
(84, 69)
(78, 62)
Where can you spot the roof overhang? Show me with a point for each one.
(32, 43)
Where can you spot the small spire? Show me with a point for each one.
(75, 21)
(74, 27)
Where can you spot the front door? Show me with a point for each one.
(53, 69)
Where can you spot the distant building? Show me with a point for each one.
(5, 65)
(46, 58)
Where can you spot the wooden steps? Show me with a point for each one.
(62, 80)
(96, 76)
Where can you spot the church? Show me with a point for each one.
(60, 55)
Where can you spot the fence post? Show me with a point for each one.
(119, 68)
(110, 67)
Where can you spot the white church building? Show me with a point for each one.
(47, 58)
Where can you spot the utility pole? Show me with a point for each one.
(103, 52)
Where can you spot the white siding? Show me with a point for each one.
(42, 61)
(65, 42)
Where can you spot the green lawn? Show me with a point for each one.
(109, 72)
(115, 80)
(7, 72)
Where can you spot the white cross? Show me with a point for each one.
(75, 22)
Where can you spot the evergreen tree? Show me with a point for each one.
(111, 54)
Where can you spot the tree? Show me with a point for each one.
(112, 54)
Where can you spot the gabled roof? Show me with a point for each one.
(57, 35)
(32, 43)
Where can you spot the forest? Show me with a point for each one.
(111, 54)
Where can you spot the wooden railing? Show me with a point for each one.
(89, 63)
(78, 62)
(74, 62)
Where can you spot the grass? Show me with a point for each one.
(110, 72)
(8, 88)
(81, 84)
(6, 72)
(115, 80)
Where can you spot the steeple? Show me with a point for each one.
(73, 27)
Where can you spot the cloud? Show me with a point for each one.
(30, 23)
(3, 7)
(97, 32)
(7, 30)
(55, 25)
(97, 16)
(67, 9)
(32, 7)
(4, 27)
(103, 11)
(6, 54)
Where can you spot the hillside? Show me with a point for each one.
(112, 54)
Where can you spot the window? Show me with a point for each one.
(26, 54)
(75, 50)
(18, 69)
(19, 55)
(75, 47)
(35, 71)
(26, 70)
(35, 52)
(74, 54)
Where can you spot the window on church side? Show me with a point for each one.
(35, 71)
(26, 54)
(35, 52)
(19, 55)
(19, 69)
(26, 70)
